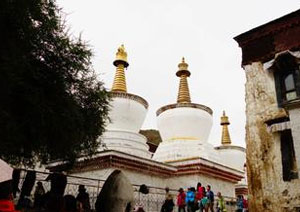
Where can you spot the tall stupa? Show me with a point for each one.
(184, 126)
(127, 114)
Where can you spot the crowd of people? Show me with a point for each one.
(53, 200)
(80, 203)
(46, 201)
(200, 199)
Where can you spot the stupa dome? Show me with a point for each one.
(188, 121)
(128, 112)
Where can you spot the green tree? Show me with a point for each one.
(52, 107)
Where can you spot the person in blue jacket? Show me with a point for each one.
(190, 199)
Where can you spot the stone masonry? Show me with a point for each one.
(268, 192)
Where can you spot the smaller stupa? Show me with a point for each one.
(233, 155)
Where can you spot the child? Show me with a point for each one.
(220, 203)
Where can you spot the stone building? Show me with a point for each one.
(183, 158)
(271, 58)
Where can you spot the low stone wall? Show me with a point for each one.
(151, 202)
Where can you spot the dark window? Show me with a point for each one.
(289, 86)
(289, 167)
(287, 79)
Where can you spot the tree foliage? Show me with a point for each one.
(52, 106)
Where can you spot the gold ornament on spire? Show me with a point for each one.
(225, 132)
(183, 73)
(121, 63)
(121, 55)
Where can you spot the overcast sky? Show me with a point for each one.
(158, 33)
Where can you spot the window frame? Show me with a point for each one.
(288, 156)
(280, 74)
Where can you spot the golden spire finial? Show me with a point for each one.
(183, 66)
(183, 73)
(120, 62)
(225, 132)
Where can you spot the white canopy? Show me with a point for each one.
(5, 171)
(268, 65)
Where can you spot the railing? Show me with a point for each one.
(151, 202)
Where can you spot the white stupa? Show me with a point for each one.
(183, 158)
(232, 155)
(184, 126)
(127, 114)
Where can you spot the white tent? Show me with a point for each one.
(5, 171)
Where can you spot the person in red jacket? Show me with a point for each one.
(200, 191)
(6, 198)
(181, 200)
(245, 205)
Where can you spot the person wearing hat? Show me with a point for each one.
(6, 199)
(84, 199)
